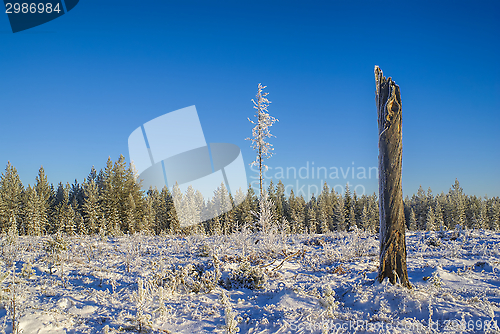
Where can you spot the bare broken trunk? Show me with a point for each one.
(392, 219)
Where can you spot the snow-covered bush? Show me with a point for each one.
(203, 250)
(246, 276)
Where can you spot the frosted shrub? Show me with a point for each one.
(436, 280)
(246, 276)
(328, 301)
(132, 251)
(231, 323)
(203, 250)
(433, 241)
(358, 247)
(188, 278)
(27, 270)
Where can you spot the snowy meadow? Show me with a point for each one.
(249, 283)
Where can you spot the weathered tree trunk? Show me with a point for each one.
(392, 219)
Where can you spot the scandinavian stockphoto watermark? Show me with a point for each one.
(308, 179)
(24, 14)
(405, 326)
(171, 151)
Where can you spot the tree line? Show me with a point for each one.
(111, 202)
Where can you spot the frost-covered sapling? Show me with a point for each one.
(141, 317)
(14, 300)
(54, 250)
(9, 245)
(162, 309)
(231, 326)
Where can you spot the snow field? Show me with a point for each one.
(250, 283)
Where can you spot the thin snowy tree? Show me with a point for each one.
(261, 132)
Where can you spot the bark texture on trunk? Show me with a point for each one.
(392, 219)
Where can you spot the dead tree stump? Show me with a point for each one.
(392, 219)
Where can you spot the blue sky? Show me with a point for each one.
(72, 90)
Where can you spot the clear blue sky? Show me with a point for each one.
(72, 90)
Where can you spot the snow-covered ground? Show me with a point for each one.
(267, 284)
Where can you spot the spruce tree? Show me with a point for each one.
(373, 214)
(297, 214)
(190, 212)
(245, 210)
(351, 220)
(131, 221)
(91, 207)
(438, 212)
(177, 203)
(109, 200)
(64, 214)
(347, 202)
(311, 216)
(148, 219)
(11, 190)
(457, 197)
(325, 209)
(413, 221)
(339, 215)
(81, 227)
(132, 186)
(365, 219)
(45, 192)
(430, 220)
(280, 201)
(494, 214)
(33, 222)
